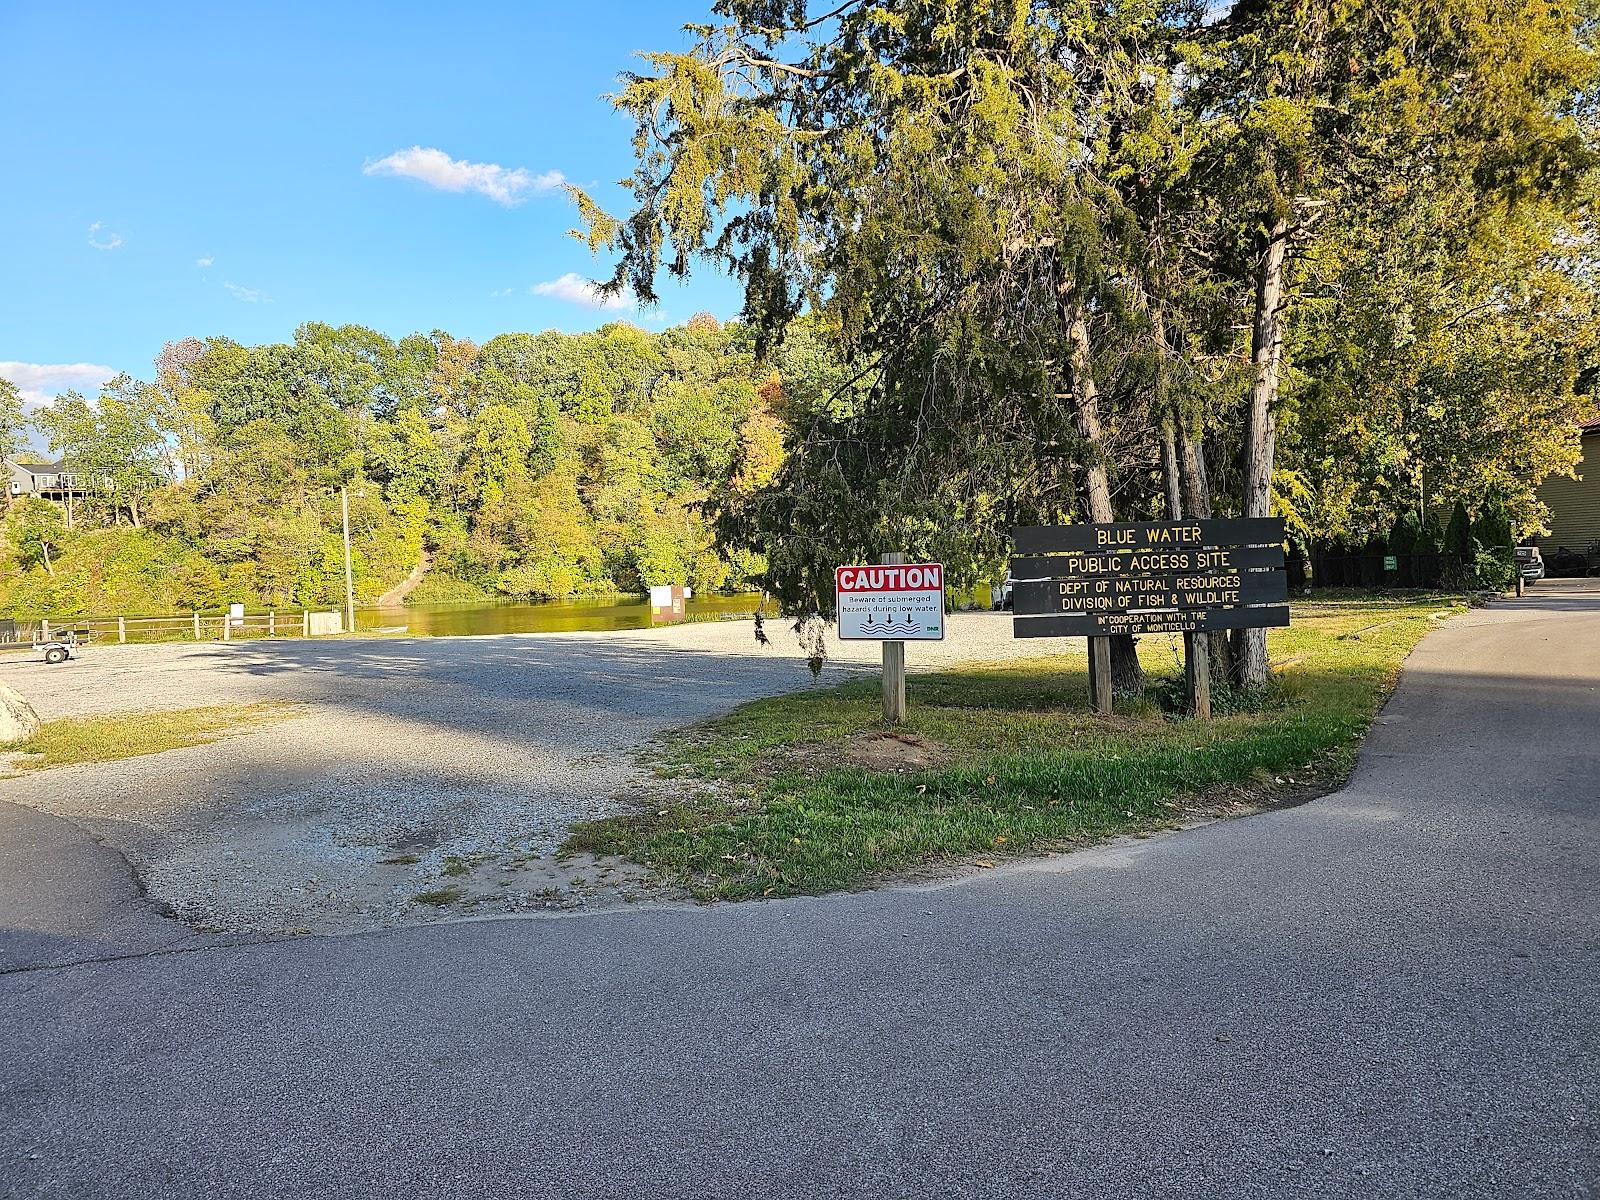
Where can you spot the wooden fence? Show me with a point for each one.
(196, 627)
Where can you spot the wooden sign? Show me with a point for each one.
(669, 603)
(1188, 577)
(1149, 535)
(1047, 597)
(1198, 621)
(1091, 563)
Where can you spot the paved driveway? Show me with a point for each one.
(1391, 992)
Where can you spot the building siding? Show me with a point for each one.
(1575, 503)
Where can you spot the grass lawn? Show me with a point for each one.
(74, 740)
(808, 793)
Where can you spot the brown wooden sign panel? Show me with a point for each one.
(1103, 624)
(1208, 589)
(1089, 564)
(1149, 535)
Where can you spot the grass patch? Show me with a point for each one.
(73, 740)
(768, 802)
(439, 897)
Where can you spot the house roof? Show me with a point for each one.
(34, 467)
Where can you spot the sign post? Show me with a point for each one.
(1187, 577)
(893, 603)
(1100, 675)
(894, 665)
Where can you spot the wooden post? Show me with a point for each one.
(44, 629)
(1519, 579)
(227, 626)
(305, 623)
(1100, 675)
(197, 627)
(894, 666)
(272, 624)
(1197, 673)
(122, 629)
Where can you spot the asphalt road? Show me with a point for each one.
(1393, 991)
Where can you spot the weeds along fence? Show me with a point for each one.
(195, 627)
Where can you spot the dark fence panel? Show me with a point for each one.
(1338, 568)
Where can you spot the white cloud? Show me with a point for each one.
(39, 383)
(205, 260)
(102, 238)
(248, 295)
(575, 289)
(501, 293)
(504, 185)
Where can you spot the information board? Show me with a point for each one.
(1149, 577)
(900, 603)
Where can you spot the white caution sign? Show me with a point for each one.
(902, 603)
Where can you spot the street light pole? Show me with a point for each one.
(349, 583)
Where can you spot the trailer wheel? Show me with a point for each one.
(56, 654)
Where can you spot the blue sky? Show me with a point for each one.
(183, 170)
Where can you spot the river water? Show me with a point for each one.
(553, 616)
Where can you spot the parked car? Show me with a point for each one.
(1530, 563)
(1002, 595)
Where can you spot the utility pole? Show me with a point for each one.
(349, 582)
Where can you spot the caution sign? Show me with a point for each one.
(901, 603)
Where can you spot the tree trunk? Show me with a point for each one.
(1127, 677)
(1197, 505)
(1192, 469)
(1169, 471)
(1261, 419)
(49, 567)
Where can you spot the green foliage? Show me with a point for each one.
(540, 466)
(1494, 570)
(1492, 529)
(1494, 561)
(38, 531)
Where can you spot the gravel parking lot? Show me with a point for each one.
(403, 753)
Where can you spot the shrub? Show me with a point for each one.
(1494, 570)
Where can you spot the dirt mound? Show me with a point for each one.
(884, 751)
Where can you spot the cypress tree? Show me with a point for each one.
(1492, 529)
(1402, 544)
(1494, 562)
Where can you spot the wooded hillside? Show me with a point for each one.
(535, 465)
